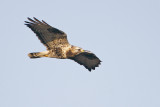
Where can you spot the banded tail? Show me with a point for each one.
(38, 54)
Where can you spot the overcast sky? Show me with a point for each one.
(124, 34)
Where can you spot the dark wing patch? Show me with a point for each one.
(88, 60)
(47, 34)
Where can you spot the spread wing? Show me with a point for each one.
(88, 60)
(47, 34)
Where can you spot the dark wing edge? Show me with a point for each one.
(46, 33)
(88, 60)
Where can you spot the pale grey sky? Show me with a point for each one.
(124, 34)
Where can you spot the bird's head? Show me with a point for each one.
(76, 49)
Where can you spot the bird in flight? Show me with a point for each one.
(58, 46)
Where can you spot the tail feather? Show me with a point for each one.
(38, 54)
(34, 55)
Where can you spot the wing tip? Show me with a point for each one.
(94, 67)
(35, 21)
(81, 59)
(90, 69)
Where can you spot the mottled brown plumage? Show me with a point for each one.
(58, 46)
